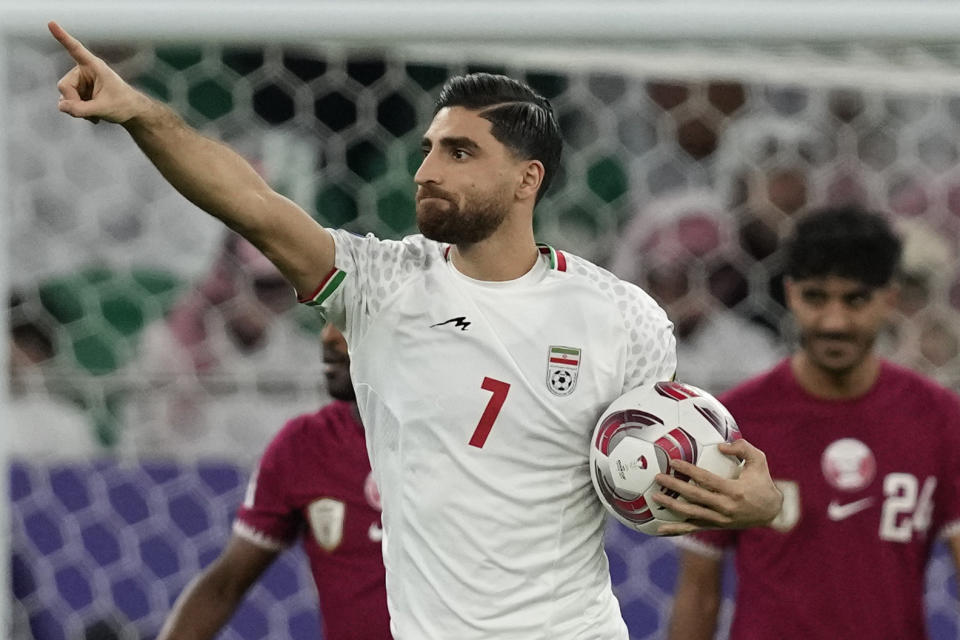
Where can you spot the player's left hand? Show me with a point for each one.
(713, 502)
(91, 89)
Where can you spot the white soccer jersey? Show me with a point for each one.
(479, 401)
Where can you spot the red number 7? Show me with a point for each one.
(499, 390)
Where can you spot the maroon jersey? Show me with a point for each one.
(868, 484)
(314, 479)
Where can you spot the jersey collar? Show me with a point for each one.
(557, 260)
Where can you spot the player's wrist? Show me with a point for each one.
(778, 504)
(143, 114)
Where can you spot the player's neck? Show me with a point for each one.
(834, 385)
(506, 255)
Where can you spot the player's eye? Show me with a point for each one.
(857, 300)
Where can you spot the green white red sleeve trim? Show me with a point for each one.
(326, 288)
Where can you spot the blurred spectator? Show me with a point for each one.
(214, 377)
(680, 250)
(766, 170)
(924, 334)
(928, 265)
(43, 424)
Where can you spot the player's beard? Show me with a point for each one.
(341, 388)
(337, 373)
(839, 357)
(442, 219)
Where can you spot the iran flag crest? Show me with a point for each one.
(563, 365)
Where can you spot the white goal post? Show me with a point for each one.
(606, 22)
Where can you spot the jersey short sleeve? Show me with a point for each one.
(652, 350)
(366, 271)
(267, 517)
(649, 346)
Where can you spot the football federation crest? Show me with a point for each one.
(326, 517)
(563, 366)
(848, 464)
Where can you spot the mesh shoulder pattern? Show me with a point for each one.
(651, 347)
(372, 269)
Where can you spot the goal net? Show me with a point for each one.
(150, 351)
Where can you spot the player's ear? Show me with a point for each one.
(789, 291)
(530, 180)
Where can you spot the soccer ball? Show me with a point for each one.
(640, 432)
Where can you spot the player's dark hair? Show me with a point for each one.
(522, 119)
(847, 242)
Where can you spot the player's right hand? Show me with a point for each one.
(92, 90)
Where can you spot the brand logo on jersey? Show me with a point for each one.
(326, 517)
(563, 367)
(837, 511)
(375, 532)
(459, 321)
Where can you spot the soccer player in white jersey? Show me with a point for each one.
(480, 360)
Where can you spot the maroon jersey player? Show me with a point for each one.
(314, 482)
(867, 455)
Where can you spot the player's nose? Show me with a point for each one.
(428, 172)
(834, 317)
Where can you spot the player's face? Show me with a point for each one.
(838, 319)
(467, 180)
(336, 361)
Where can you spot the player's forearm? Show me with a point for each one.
(697, 598)
(200, 612)
(221, 182)
(206, 172)
(694, 617)
(954, 543)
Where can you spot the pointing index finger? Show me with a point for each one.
(73, 46)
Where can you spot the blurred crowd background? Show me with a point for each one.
(141, 330)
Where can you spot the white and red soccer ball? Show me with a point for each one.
(638, 435)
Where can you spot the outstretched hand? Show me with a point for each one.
(713, 502)
(92, 90)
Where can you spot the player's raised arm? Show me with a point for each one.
(207, 172)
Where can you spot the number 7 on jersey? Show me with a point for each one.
(499, 390)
